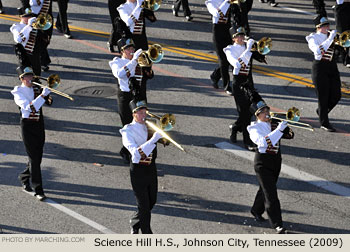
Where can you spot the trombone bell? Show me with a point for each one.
(43, 22)
(153, 55)
(343, 39)
(53, 81)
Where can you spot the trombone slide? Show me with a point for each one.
(54, 91)
(165, 135)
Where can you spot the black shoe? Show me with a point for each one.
(189, 18)
(40, 196)
(258, 217)
(228, 90)
(45, 68)
(250, 147)
(214, 82)
(273, 4)
(317, 112)
(68, 36)
(27, 188)
(280, 230)
(134, 230)
(233, 137)
(174, 11)
(110, 47)
(1, 11)
(59, 29)
(328, 128)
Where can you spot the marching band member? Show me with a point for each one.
(30, 99)
(342, 20)
(23, 36)
(240, 57)
(133, 15)
(143, 171)
(267, 164)
(220, 10)
(114, 14)
(131, 78)
(325, 74)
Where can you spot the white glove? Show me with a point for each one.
(282, 125)
(250, 43)
(332, 34)
(45, 92)
(156, 136)
(139, 2)
(137, 54)
(31, 21)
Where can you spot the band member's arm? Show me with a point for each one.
(138, 152)
(262, 140)
(320, 48)
(27, 105)
(21, 36)
(220, 11)
(130, 18)
(149, 15)
(232, 59)
(122, 71)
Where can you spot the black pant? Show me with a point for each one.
(61, 22)
(325, 76)
(185, 7)
(342, 20)
(267, 168)
(221, 39)
(242, 104)
(145, 188)
(33, 135)
(113, 13)
(140, 40)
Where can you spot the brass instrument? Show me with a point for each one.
(342, 39)
(43, 22)
(237, 1)
(292, 117)
(152, 5)
(153, 55)
(165, 135)
(53, 81)
(166, 121)
(263, 46)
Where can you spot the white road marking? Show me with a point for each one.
(77, 216)
(290, 171)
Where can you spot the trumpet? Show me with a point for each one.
(43, 22)
(342, 39)
(152, 5)
(153, 55)
(53, 82)
(292, 118)
(263, 46)
(166, 121)
(162, 132)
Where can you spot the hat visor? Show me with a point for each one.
(260, 109)
(237, 34)
(127, 46)
(23, 74)
(138, 108)
(322, 24)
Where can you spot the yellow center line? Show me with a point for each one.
(199, 55)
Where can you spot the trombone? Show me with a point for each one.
(152, 5)
(166, 121)
(263, 46)
(162, 132)
(52, 83)
(343, 39)
(43, 22)
(292, 117)
(153, 55)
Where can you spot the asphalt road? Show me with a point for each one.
(210, 187)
